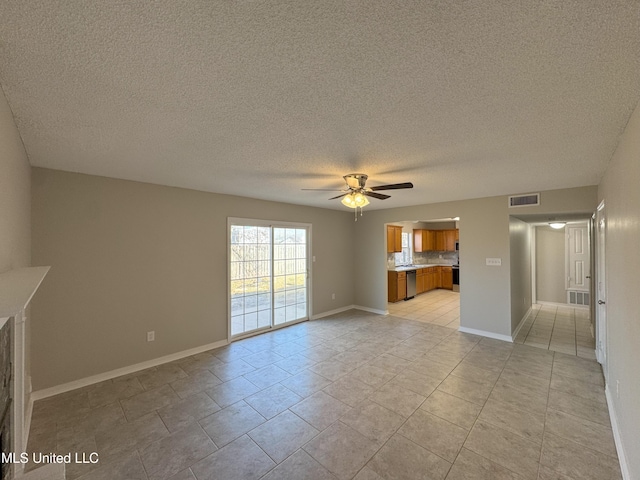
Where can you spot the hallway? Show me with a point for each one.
(559, 328)
(563, 329)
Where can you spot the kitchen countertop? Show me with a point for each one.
(418, 267)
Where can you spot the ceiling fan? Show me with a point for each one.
(356, 193)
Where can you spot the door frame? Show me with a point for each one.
(567, 254)
(601, 288)
(271, 224)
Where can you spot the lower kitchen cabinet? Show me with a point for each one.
(397, 286)
(427, 279)
(420, 280)
(447, 278)
(433, 278)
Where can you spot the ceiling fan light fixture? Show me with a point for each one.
(348, 201)
(360, 199)
(355, 200)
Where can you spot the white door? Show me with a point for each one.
(601, 286)
(578, 258)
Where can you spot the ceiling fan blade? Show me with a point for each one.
(379, 196)
(339, 196)
(324, 189)
(393, 186)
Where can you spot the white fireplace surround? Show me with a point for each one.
(17, 288)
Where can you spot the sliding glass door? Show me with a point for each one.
(268, 275)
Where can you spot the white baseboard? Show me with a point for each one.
(346, 308)
(101, 377)
(482, 333)
(514, 334)
(332, 312)
(555, 304)
(615, 426)
(371, 310)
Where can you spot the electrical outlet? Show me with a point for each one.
(151, 336)
(333, 296)
(494, 262)
(314, 258)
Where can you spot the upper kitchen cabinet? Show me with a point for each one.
(394, 239)
(450, 240)
(424, 240)
(438, 240)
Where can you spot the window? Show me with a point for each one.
(404, 257)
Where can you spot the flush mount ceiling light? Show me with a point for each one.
(557, 225)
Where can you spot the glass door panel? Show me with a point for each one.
(250, 276)
(290, 274)
(268, 277)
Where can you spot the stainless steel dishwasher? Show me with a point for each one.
(411, 284)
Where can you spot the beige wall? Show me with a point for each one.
(15, 204)
(485, 301)
(621, 193)
(15, 197)
(550, 265)
(130, 257)
(520, 258)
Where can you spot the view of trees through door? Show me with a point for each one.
(268, 275)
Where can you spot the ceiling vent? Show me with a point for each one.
(527, 200)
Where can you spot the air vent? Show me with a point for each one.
(578, 298)
(524, 200)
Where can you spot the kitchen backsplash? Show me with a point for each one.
(423, 258)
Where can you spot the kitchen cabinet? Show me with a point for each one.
(445, 240)
(424, 240)
(438, 240)
(427, 279)
(394, 239)
(432, 278)
(447, 278)
(450, 240)
(396, 286)
(420, 280)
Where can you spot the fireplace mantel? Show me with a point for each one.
(17, 288)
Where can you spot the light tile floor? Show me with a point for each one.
(439, 307)
(559, 328)
(355, 395)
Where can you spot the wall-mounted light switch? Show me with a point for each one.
(494, 262)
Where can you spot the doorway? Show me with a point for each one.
(268, 275)
(560, 316)
(431, 249)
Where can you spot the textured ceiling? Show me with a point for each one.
(463, 98)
